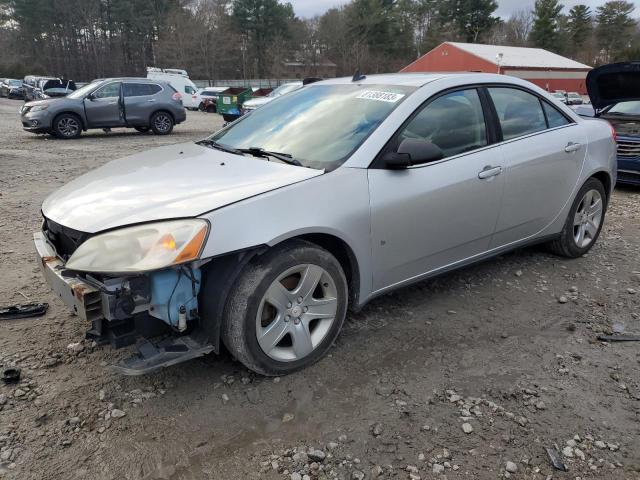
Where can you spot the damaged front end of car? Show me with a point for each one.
(132, 282)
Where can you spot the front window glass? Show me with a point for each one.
(454, 122)
(108, 91)
(189, 89)
(82, 92)
(519, 112)
(626, 108)
(320, 126)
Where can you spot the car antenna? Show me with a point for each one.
(358, 76)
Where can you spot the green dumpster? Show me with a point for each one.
(230, 101)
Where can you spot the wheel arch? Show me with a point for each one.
(83, 122)
(221, 273)
(162, 110)
(605, 179)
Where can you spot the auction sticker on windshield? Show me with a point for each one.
(381, 96)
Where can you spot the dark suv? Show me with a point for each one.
(137, 103)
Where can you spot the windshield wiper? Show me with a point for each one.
(261, 152)
(219, 146)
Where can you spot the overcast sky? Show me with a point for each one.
(309, 8)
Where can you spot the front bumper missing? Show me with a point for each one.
(82, 298)
(88, 302)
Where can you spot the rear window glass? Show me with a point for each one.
(519, 112)
(140, 89)
(554, 117)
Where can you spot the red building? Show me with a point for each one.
(545, 69)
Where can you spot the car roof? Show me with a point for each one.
(419, 79)
(134, 80)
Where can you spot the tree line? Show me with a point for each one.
(227, 39)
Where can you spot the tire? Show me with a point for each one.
(142, 129)
(278, 340)
(584, 222)
(67, 126)
(211, 109)
(201, 107)
(161, 123)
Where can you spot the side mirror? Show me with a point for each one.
(413, 151)
(90, 97)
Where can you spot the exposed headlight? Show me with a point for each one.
(142, 248)
(37, 108)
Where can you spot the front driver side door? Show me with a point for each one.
(104, 106)
(427, 217)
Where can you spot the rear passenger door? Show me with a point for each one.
(542, 153)
(140, 102)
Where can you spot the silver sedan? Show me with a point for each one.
(261, 236)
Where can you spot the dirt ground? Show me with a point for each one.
(468, 376)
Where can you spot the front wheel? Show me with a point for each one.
(286, 309)
(161, 123)
(67, 126)
(584, 222)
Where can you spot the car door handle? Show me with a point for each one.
(572, 147)
(489, 172)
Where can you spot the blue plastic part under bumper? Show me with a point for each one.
(171, 289)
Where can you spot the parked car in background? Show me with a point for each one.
(52, 88)
(256, 102)
(178, 79)
(261, 236)
(32, 85)
(110, 103)
(11, 88)
(207, 98)
(561, 96)
(574, 98)
(614, 91)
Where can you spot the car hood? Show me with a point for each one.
(176, 181)
(614, 83)
(46, 101)
(256, 102)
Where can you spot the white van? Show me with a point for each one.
(178, 79)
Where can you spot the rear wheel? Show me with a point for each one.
(161, 123)
(67, 126)
(211, 109)
(286, 309)
(584, 222)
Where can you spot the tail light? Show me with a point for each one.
(176, 96)
(194, 96)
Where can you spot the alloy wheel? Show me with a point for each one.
(296, 313)
(68, 127)
(586, 222)
(162, 122)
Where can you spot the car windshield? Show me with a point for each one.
(15, 83)
(82, 92)
(319, 126)
(626, 108)
(283, 89)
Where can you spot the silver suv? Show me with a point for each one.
(110, 103)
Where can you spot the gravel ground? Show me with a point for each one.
(470, 375)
